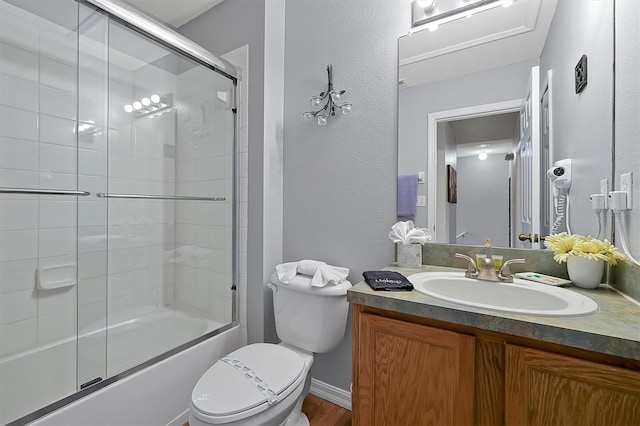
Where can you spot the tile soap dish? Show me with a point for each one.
(57, 276)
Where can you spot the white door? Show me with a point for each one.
(528, 164)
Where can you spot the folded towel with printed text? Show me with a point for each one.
(311, 273)
(387, 280)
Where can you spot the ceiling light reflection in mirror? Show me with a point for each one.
(433, 13)
(494, 38)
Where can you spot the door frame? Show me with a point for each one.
(433, 119)
(546, 89)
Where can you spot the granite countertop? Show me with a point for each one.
(614, 330)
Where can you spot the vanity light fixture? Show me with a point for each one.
(433, 13)
(153, 104)
(330, 99)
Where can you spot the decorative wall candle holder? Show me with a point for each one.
(330, 99)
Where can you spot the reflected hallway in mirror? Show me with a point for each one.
(484, 148)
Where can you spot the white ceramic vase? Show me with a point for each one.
(585, 273)
(409, 255)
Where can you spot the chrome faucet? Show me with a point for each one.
(505, 272)
(487, 271)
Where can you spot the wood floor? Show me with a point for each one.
(322, 413)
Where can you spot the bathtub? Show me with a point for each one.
(35, 378)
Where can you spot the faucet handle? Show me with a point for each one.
(505, 272)
(472, 270)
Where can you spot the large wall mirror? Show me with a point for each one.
(490, 102)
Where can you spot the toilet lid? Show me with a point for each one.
(227, 388)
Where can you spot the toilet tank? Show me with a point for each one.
(313, 318)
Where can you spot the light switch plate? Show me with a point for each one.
(421, 177)
(626, 185)
(421, 201)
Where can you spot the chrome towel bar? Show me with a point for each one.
(34, 191)
(158, 197)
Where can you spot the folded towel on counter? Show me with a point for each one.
(321, 274)
(387, 280)
(406, 233)
(407, 195)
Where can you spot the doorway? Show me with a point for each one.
(478, 143)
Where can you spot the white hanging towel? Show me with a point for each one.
(321, 274)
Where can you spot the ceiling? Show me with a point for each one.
(500, 131)
(490, 39)
(175, 12)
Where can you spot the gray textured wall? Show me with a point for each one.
(628, 107)
(416, 103)
(229, 25)
(339, 180)
(582, 124)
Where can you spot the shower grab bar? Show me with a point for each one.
(34, 191)
(158, 197)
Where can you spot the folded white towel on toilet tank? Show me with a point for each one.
(321, 274)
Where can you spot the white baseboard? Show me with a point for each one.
(331, 393)
(180, 420)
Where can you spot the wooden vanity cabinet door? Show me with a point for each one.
(550, 389)
(411, 374)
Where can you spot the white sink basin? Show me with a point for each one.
(519, 297)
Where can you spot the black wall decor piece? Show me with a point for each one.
(581, 74)
(452, 184)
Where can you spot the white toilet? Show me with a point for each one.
(264, 383)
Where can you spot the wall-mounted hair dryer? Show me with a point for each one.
(560, 176)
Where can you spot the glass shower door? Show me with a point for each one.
(170, 199)
(117, 177)
(45, 95)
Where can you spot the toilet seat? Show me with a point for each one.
(228, 392)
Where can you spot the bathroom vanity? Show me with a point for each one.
(418, 360)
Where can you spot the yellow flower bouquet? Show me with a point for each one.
(564, 245)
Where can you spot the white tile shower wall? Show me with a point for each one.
(37, 149)
(91, 147)
(141, 270)
(38, 86)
